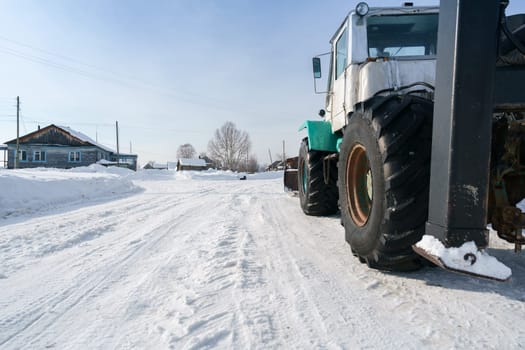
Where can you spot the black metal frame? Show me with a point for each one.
(465, 76)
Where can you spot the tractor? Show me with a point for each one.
(422, 133)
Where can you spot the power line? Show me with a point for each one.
(23, 123)
(204, 100)
(109, 125)
(74, 60)
(65, 122)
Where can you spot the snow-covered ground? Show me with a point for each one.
(158, 260)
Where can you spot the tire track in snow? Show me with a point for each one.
(331, 314)
(230, 283)
(433, 316)
(235, 265)
(48, 311)
(81, 226)
(225, 272)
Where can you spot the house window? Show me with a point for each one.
(39, 156)
(74, 157)
(22, 156)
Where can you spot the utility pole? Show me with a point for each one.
(130, 148)
(270, 154)
(284, 156)
(17, 154)
(118, 153)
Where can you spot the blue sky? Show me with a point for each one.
(171, 72)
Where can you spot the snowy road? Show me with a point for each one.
(196, 263)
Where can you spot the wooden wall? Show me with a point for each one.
(57, 156)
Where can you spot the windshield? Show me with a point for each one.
(402, 35)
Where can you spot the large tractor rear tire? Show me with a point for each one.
(384, 178)
(316, 196)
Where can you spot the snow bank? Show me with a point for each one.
(153, 175)
(212, 174)
(26, 191)
(96, 168)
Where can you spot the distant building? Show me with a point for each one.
(172, 165)
(209, 163)
(62, 147)
(3, 148)
(155, 165)
(191, 164)
(277, 165)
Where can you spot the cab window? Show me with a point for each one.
(341, 54)
(402, 35)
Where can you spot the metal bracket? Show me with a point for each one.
(509, 222)
(326, 166)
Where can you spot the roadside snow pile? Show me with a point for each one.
(212, 174)
(96, 168)
(26, 191)
(466, 258)
(153, 175)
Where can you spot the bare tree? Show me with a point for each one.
(186, 151)
(252, 166)
(230, 147)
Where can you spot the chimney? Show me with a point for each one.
(39, 127)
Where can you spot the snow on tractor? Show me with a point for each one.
(423, 133)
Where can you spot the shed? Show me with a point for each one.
(191, 164)
(155, 165)
(277, 165)
(3, 148)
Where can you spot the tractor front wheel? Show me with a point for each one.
(384, 177)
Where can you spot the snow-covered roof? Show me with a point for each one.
(156, 165)
(192, 162)
(84, 137)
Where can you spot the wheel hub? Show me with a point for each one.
(369, 184)
(303, 176)
(359, 185)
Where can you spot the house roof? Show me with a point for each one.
(155, 165)
(83, 138)
(192, 162)
(276, 164)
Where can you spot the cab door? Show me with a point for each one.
(339, 78)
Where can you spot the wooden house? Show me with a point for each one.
(277, 165)
(3, 148)
(155, 165)
(191, 164)
(209, 162)
(62, 147)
